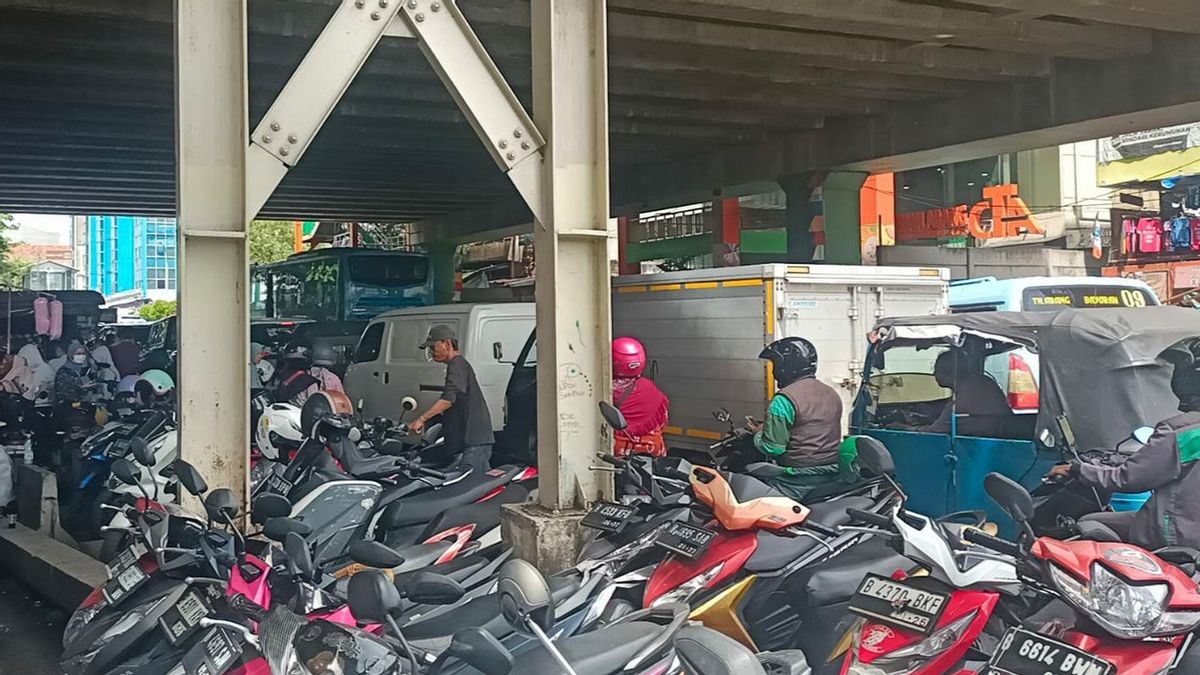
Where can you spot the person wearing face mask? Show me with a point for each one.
(75, 381)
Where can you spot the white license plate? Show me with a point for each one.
(180, 620)
(898, 603)
(126, 582)
(129, 556)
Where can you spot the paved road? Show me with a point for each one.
(30, 632)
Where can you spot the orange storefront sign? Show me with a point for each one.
(1002, 213)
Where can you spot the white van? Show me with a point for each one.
(388, 366)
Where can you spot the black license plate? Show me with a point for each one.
(124, 584)
(1022, 652)
(128, 557)
(608, 517)
(688, 541)
(898, 603)
(214, 654)
(183, 618)
(279, 485)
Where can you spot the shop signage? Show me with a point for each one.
(1002, 213)
(1187, 276)
(1148, 143)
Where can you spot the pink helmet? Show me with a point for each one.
(629, 357)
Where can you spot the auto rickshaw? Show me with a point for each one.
(956, 397)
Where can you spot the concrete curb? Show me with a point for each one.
(58, 572)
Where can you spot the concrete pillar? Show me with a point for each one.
(573, 306)
(841, 200)
(211, 138)
(441, 257)
(800, 213)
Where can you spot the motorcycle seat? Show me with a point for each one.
(599, 652)
(704, 650)
(425, 506)
(835, 580)
(484, 515)
(765, 470)
(421, 556)
(775, 551)
(483, 611)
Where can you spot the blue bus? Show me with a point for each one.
(1037, 294)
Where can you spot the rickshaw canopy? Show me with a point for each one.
(1099, 368)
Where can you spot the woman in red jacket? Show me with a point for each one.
(645, 407)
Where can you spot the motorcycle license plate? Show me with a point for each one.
(124, 584)
(214, 654)
(129, 556)
(898, 603)
(182, 619)
(686, 540)
(278, 484)
(608, 517)
(1022, 652)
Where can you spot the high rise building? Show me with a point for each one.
(131, 253)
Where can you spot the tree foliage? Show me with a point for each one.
(159, 309)
(12, 270)
(271, 240)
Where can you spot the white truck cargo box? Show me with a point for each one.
(703, 330)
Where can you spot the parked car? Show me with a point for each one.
(387, 365)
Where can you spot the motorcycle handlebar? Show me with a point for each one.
(994, 543)
(433, 473)
(877, 519)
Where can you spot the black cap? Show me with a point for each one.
(437, 334)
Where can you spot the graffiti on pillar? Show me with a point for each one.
(573, 383)
(568, 425)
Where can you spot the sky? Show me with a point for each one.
(42, 229)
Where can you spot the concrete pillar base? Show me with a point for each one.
(549, 539)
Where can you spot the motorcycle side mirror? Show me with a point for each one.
(1010, 496)
(278, 529)
(1142, 434)
(269, 506)
(614, 417)
(126, 471)
(481, 650)
(375, 554)
(431, 588)
(141, 452)
(372, 596)
(189, 477)
(525, 599)
(299, 556)
(407, 404)
(221, 505)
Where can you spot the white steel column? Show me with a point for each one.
(570, 92)
(211, 143)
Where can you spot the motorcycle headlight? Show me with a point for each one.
(123, 624)
(1128, 611)
(912, 657)
(79, 620)
(687, 589)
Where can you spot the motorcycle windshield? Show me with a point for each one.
(334, 511)
(323, 647)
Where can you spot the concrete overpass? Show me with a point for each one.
(148, 106)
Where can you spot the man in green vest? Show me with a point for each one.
(803, 428)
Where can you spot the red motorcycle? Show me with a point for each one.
(1135, 612)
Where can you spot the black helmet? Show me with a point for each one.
(323, 354)
(793, 358)
(1185, 380)
(299, 353)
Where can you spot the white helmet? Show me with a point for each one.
(278, 431)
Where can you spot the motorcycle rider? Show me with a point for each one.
(1166, 465)
(466, 420)
(324, 358)
(75, 381)
(644, 406)
(803, 428)
(294, 381)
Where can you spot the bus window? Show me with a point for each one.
(260, 294)
(378, 283)
(307, 289)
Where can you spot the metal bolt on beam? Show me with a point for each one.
(524, 145)
(266, 138)
(517, 133)
(292, 139)
(360, 3)
(503, 143)
(420, 18)
(383, 4)
(511, 156)
(437, 6)
(375, 16)
(284, 151)
(275, 126)
(412, 4)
